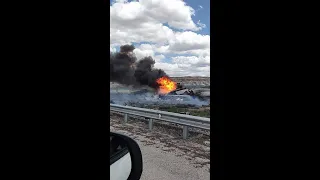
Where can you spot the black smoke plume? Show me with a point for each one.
(126, 69)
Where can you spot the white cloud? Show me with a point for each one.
(144, 21)
(193, 60)
(201, 24)
(159, 58)
(145, 50)
(186, 66)
(143, 53)
(185, 41)
(178, 70)
(174, 12)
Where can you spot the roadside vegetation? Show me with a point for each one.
(202, 112)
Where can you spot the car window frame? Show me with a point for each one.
(118, 155)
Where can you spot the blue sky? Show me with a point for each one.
(201, 14)
(165, 30)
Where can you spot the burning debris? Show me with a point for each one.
(201, 93)
(127, 70)
(144, 98)
(166, 85)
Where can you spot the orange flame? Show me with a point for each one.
(166, 85)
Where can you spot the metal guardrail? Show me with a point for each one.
(182, 119)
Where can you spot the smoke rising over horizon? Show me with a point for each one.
(126, 69)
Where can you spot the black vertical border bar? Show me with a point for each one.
(218, 44)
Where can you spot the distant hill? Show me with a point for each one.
(192, 81)
(186, 81)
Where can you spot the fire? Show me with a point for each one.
(166, 85)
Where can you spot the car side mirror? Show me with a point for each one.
(125, 158)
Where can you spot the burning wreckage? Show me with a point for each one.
(143, 85)
(144, 97)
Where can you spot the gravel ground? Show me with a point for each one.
(165, 155)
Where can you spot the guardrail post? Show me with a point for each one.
(150, 124)
(125, 118)
(185, 132)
